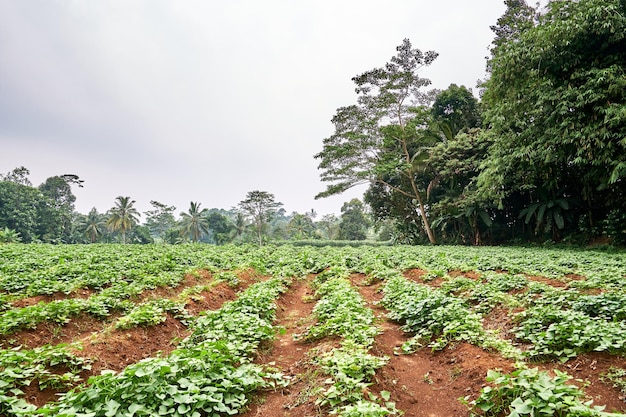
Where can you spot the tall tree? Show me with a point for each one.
(354, 222)
(456, 108)
(329, 226)
(220, 226)
(59, 190)
(194, 223)
(160, 219)
(123, 216)
(92, 225)
(239, 225)
(379, 138)
(260, 207)
(517, 18)
(20, 207)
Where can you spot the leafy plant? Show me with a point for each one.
(341, 312)
(151, 313)
(565, 333)
(530, 392)
(616, 377)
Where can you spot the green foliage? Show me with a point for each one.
(350, 370)
(48, 366)
(382, 139)
(354, 222)
(160, 219)
(194, 224)
(457, 109)
(430, 313)
(617, 378)
(260, 206)
(209, 374)
(341, 312)
(609, 306)
(565, 333)
(123, 216)
(555, 103)
(151, 313)
(9, 236)
(530, 392)
(27, 211)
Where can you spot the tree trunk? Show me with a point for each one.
(418, 197)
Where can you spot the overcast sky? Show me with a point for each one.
(205, 100)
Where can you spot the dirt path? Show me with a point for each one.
(290, 357)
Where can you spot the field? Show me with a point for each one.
(200, 330)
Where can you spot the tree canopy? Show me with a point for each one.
(381, 140)
(259, 206)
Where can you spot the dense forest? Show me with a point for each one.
(540, 157)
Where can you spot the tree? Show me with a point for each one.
(381, 140)
(194, 223)
(21, 209)
(329, 226)
(458, 214)
(220, 227)
(160, 219)
(555, 102)
(239, 225)
(300, 226)
(123, 216)
(517, 18)
(18, 176)
(260, 207)
(456, 108)
(92, 225)
(354, 222)
(59, 190)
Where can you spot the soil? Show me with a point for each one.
(424, 383)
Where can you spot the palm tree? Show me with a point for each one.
(123, 216)
(194, 223)
(301, 226)
(92, 225)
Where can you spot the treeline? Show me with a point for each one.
(46, 214)
(541, 157)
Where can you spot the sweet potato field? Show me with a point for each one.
(200, 330)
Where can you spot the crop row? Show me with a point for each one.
(341, 312)
(210, 373)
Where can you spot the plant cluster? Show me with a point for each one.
(151, 313)
(553, 332)
(48, 367)
(341, 312)
(530, 392)
(350, 369)
(616, 377)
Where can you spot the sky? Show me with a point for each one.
(204, 100)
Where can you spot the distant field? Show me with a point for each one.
(200, 330)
